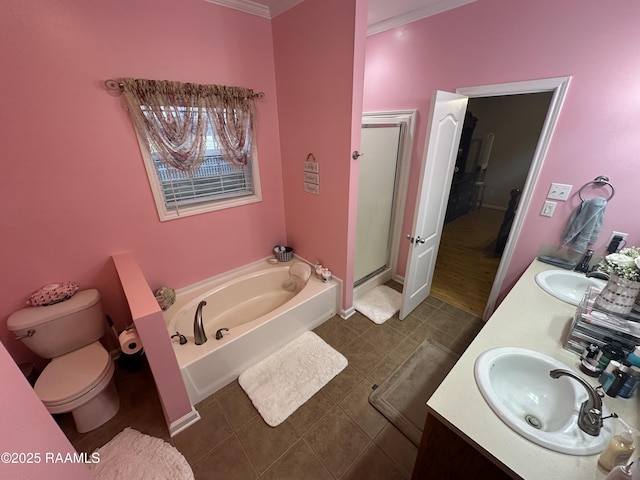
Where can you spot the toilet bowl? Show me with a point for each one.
(80, 382)
(79, 377)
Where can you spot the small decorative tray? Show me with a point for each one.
(53, 293)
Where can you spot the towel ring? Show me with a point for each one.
(599, 181)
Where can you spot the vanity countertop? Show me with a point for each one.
(528, 318)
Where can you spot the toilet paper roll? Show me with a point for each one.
(130, 342)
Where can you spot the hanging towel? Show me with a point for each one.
(585, 224)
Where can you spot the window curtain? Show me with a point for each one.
(231, 111)
(173, 118)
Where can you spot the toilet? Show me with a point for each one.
(79, 377)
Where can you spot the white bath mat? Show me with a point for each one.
(132, 454)
(379, 304)
(279, 384)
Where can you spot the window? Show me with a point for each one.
(197, 142)
(217, 184)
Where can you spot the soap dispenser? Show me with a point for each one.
(583, 266)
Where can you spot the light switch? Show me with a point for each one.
(559, 191)
(548, 208)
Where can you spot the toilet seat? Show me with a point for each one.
(74, 375)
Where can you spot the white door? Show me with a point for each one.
(376, 189)
(441, 149)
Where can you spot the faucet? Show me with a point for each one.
(181, 338)
(597, 274)
(219, 333)
(590, 416)
(198, 328)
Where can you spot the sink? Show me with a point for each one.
(567, 285)
(516, 384)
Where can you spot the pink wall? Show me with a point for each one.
(360, 45)
(315, 75)
(496, 41)
(151, 327)
(73, 187)
(28, 428)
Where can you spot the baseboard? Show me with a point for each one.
(184, 422)
(347, 313)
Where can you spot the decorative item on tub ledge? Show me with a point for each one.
(53, 293)
(322, 273)
(621, 291)
(165, 297)
(283, 254)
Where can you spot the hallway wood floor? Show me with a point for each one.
(467, 263)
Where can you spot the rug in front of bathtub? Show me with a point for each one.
(131, 454)
(282, 382)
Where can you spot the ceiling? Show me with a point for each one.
(383, 14)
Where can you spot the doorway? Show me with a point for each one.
(504, 136)
(429, 208)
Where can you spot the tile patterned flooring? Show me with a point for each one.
(337, 434)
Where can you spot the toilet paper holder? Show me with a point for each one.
(130, 342)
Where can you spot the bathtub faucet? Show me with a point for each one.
(219, 333)
(198, 328)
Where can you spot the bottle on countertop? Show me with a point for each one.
(615, 383)
(583, 266)
(630, 385)
(634, 357)
(610, 351)
(607, 373)
(618, 451)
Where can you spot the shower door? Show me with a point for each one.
(376, 192)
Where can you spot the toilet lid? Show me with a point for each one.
(71, 375)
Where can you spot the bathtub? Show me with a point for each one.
(261, 317)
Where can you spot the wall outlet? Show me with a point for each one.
(548, 208)
(559, 191)
(618, 234)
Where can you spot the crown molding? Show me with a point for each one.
(282, 6)
(433, 9)
(246, 6)
(259, 9)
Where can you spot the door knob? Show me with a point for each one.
(410, 238)
(420, 240)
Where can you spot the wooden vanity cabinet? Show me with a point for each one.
(443, 455)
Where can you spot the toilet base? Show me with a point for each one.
(97, 411)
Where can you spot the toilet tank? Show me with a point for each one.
(62, 327)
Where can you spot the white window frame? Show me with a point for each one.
(166, 214)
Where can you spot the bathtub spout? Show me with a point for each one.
(198, 329)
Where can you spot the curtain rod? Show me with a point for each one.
(117, 86)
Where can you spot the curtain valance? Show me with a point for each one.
(174, 117)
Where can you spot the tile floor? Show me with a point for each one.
(337, 434)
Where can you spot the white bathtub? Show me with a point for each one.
(261, 317)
